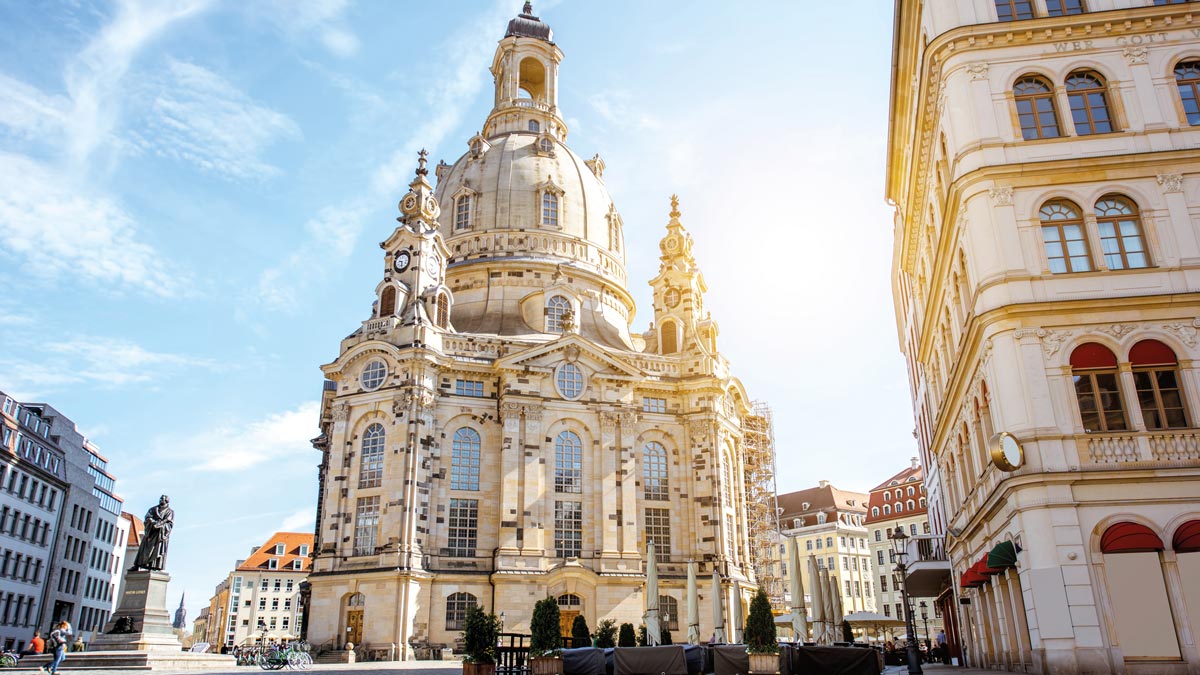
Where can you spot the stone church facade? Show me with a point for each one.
(495, 433)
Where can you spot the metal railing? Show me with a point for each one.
(926, 548)
(512, 654)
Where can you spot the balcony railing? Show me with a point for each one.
(1144, 448)
(530, 103)
(926, 548)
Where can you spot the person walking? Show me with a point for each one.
(942, 651)
(60, 637)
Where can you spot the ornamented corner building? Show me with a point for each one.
(1042, 162)
(494, 433)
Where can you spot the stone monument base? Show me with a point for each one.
(139, 635)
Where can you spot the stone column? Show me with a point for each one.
(610, 497)
(628, 479)
(538, 502)
(1177, 206)
(510, 478)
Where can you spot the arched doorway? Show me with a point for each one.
(355, 606)
(569, 607)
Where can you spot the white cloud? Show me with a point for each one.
(29, 112)
(321, 19)
(300, 521)
(333, 234)
(235, 445)
(99, 362)
(200, 118)
(617, 107)
(57, 229)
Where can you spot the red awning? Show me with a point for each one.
(981, 566)
(1127, 537)
(1187, 537)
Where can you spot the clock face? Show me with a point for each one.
(1007, 453)
(401, 261)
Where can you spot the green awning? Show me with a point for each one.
(1002, 555)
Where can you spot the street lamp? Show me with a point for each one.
(925, 618)
(900, 548)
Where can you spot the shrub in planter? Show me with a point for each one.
(847, 632)
(627, 638)
(642, 635)
(545, 643)
(606, 634)
(761, 642)
(664, 636)
(580, 635)
(481, 631)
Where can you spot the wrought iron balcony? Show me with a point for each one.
(928, 566)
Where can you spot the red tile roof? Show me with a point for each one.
(136, 529)
(822, 498)
(897, 486)
(260, 559)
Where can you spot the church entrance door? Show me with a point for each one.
(354, 624)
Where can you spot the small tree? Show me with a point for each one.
(847, 632)
(664, 636)
(580, 635)
(606, 634)
(627, 638)
(760, 626)
(642, 635)
(481, 631)
(545, 639)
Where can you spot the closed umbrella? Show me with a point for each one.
(693, 606)
(799, 620)
(814, 573)
(739, 618)
(653, 629)
(830, 590)
(835, 623)
(718, 609)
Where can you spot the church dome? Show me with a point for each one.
(528, 25)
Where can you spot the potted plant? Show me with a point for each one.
(627, 638)
(606, 634)
(481, 631)
(581, 636)
(545, 643)
(761, 643)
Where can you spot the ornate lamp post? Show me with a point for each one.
(899, 547)
(925, 619)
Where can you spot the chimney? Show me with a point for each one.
(915, 465)
(823, 483)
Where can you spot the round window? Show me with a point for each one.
(372, 375)
(569, 380)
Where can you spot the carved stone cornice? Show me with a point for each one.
(1118, 330)
(1052, 340)
(608, 420)
(698, 426)
(1170, 182)
(978, 70)
(341, 411)
(1001, 195)
(1135, 55)
(1186, 331)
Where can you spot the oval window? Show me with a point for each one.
(373, 375)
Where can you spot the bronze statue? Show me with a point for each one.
(152, 552)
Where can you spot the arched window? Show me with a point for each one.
(1187, 537)
(1035, 108)
(568, 463)
(654, 472)
(462, 213)
(534, 125)
(1156, 378)
(443, 311)
(1120, 233)
(464, 460)
(923, 502)
(1089, 103)
(370, 473)
(912, 528)
(887, 495)
(887, 509)
(670, 337)
(1012, 10)
(556, 307)
(1097, 388)
(456, 609)
(1063, 237)
(387, 301)
(1141, 611)
(1064, 7)
(910, 504)
(874, 511)
(668, 609)
(356, 600)
(910, 491)
(549, 209)
(1187, 79)
(545, 145)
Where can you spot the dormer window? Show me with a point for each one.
(545, 145)
(462, 212)
(550, 204)
(805, 506)
(821, 518)
(556, 308)
(273, 564)
(549, 209)
(303, 549)
(297, 564)
(534, 125)
(279, 549)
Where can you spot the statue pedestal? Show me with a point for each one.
(144, 609)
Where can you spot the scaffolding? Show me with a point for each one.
(762, 516)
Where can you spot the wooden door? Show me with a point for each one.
(566, 619)
(354, 625)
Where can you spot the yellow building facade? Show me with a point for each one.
(495, 432)
(1042, 162)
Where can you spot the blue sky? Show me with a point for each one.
(191, 194)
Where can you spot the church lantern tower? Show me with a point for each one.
(681, 324)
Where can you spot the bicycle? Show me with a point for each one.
(9, 659)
